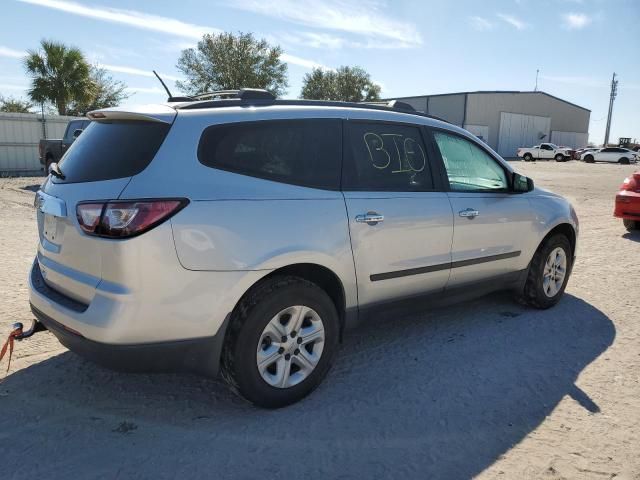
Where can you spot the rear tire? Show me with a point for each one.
(47, 164)
(548, 273)
(631, 225)
(527, 157)
(624, 161)
(589, 159)
(259, 359)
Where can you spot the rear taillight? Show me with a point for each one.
(124, 219)
(630, 184)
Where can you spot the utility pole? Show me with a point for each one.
(44, 121)
(536, 88)
(612, 97)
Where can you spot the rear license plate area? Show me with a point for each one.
(50, 228)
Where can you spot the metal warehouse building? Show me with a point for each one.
(507, 120)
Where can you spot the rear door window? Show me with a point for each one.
(112, 149)
(305, 152)
(384, 156)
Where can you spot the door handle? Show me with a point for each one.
(469, 213)
(370, 218)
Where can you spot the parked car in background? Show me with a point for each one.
(570, 151)
(628, 202)
(611, 155)
(577, 155)
(51, 151)
(274, 233)
(544, 151)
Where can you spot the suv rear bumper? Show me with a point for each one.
(157, 327)
(199, 355)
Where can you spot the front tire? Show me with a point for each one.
(549, 272)
(527, 157)
(282, 340)
(631, 225)
(624, 161)
(559, 158)
(589, 159)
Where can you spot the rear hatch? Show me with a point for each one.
(98, 166)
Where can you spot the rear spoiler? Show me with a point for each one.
(145, 113)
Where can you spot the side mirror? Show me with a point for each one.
(77, 132)
(521, 184)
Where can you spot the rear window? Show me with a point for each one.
(300, 152)
(109, 150)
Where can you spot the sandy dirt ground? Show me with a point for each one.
(486, 389)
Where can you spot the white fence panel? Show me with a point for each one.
(20, 134)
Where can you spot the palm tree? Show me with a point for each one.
(59, 74)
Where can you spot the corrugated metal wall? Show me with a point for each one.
(486, 109)
(482, 111)
(518, 130)
(20, 134)
(570, 139)
(448, 107)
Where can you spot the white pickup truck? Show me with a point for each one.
(545, 151)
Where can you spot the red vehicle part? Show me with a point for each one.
(628, 201)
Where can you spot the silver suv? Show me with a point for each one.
(242, 234)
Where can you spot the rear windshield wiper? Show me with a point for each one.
(56, 172)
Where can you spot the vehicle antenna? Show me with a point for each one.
(163, 84)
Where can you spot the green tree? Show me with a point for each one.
(228, 62)
(60, 75)
(15, 105)
(346, 84)
(107, 92)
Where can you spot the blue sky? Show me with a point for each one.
(409, 47)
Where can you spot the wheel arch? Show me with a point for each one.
(568, 231)
(321, 275)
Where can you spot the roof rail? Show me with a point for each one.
(395, 104)
(243, 94)
(228, 99)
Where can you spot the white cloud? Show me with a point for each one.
(576, 21)
(513, 21)
(362, 18)
(480, 23)
(148, 22)
(136, 71)
(128, 17)
(10, 52)
(303, 62)
(329, 41)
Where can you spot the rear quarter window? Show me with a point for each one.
(109, 150)
(299, 152)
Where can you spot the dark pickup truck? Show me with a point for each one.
(52, 150)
